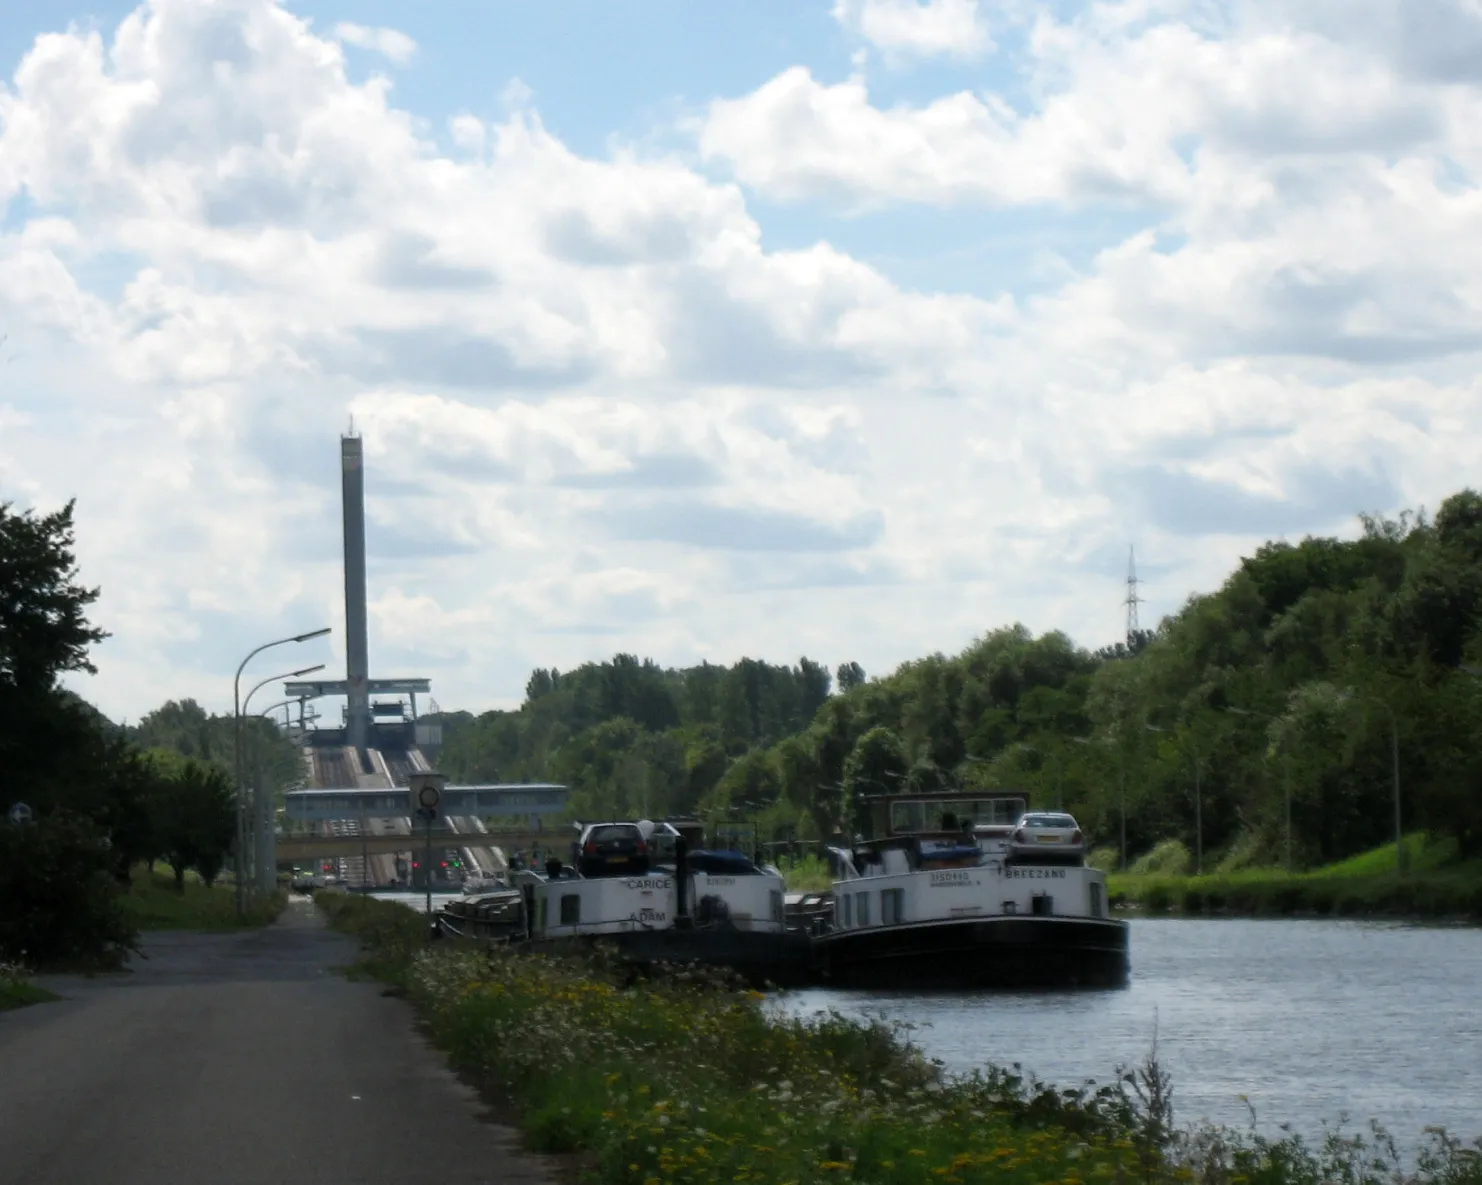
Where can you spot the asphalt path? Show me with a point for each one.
(239, 1059)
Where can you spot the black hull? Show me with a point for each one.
(762, 959)
(1002, 952)
(781, 960)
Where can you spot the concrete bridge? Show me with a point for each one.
(528, 800)
(301, 846)
(361, 823)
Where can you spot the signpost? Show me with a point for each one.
(20, 813)
(427, 797)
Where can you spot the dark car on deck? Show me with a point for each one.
(612, 849)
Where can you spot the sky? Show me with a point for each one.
(842, 328)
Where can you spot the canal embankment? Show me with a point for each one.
(1435, 884)
(687, 1079)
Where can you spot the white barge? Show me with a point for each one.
(943, 898)
(676, 906)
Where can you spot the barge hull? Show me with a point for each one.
(1005, 952)
(761, 958)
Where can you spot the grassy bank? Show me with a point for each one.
(153, 904)
(1437, 885)
(688, 1081)
(16, 991)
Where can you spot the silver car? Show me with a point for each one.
(1047, 837)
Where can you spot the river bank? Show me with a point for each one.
(1451, 892)
(686, 1080)
(1260, 1021)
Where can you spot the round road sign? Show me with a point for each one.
(20, 813)
(429, 797)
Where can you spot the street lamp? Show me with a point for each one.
(237, 751)
(1121, 795)
(261, 803)
(1198, 804)
(1286, 778)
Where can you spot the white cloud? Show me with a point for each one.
(918, 28)
(389, 43)
(603, 412)
(1122, 111)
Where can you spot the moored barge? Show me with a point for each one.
(943, 898)
(670, 905)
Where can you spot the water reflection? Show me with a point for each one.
(1309, 1020)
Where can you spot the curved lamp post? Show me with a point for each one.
(262, 809)
(237, 752)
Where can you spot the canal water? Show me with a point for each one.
(1301, 1021)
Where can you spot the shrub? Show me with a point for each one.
(1248, 851)
(1168, 858)
(59, 903)
(1103, 859)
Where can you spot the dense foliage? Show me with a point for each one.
(101, 801)
(58, 902)
(1300, 677)
(631, 737)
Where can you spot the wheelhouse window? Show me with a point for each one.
(570, 909)
(949, 815)
(862, 908)
(892, 906)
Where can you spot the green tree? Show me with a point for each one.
(877, 765)
(58, 900)
(194, 815)
(849, 676)
(44, 631)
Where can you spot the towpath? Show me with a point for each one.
(239, 1059)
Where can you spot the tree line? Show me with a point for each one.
(1283, 695)
(103, 798)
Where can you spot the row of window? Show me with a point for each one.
(950, 814)
(571, 909)
(854, 908)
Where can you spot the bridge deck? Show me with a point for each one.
(308, 847)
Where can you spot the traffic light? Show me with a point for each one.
(445, 863)
(416, 864)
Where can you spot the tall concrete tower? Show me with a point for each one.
(357, 660)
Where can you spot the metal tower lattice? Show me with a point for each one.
(1133, 600)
